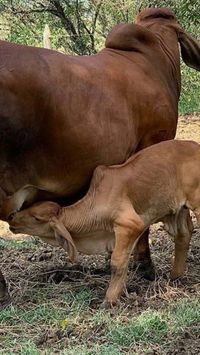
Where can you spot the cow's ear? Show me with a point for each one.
(190, 49)
(64, 238)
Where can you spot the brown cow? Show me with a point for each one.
(122, 202)
(61, 116)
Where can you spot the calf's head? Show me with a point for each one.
(41, 219)
(34, 220)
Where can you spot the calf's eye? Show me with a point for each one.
(11, 216)
(37, 219)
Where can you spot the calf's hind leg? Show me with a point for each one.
(142, 257)
(126, 233)
(182, 241)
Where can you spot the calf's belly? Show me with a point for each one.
(99, 242)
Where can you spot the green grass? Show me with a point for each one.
(78, 300)
(47, 313)
(149, 327)
(154, 326)
(24, 348)
(18, 244)
(116, 334)
(185, 313)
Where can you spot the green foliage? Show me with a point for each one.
(190, 93)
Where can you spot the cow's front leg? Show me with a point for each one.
(125, 239)
(142, 257)
(4, 295)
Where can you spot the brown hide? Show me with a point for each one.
(61, 116)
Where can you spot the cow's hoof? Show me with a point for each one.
(105, 305)
(146, 270)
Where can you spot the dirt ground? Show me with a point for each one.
(31, 269)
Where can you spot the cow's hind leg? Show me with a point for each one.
(126, 233)
(142, 257)
(4, 295)
(182, 240)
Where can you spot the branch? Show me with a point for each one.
(96, 16)
(67, 23)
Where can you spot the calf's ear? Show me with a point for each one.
(64, 238)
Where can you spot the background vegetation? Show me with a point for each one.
(81, 26)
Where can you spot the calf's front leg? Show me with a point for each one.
(125, 237)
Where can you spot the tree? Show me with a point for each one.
(77, 19)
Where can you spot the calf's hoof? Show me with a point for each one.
(175, 275)
(106, 304)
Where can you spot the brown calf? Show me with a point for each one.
(159, 183)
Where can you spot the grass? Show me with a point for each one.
(187, 313)
(149, 327)
(153, 327)
(18, 244)
(72, 326)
